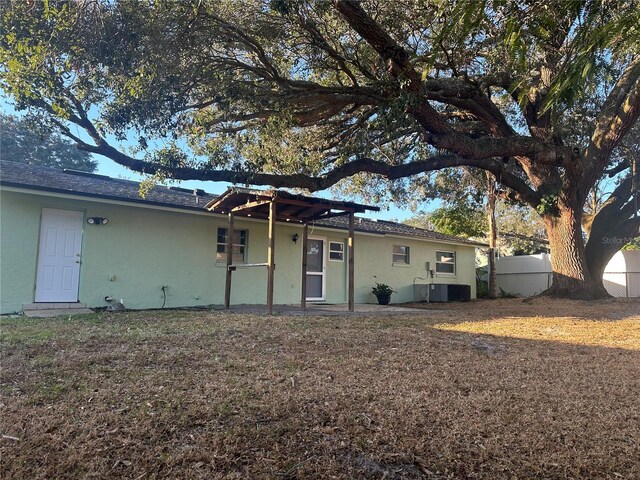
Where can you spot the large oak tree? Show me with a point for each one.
(310, 93)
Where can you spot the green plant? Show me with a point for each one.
(382, 289)
(482, 288)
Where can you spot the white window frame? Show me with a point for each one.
(340, 251)
(406, 255)
(438, 263)
(223, 252)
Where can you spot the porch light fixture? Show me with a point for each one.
(294, 237)
(97, 220)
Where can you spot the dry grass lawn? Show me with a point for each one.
(505, 389)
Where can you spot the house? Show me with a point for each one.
(68, 237)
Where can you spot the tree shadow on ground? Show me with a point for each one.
(608, 309)
(209, 395)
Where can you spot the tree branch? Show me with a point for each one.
(397, 60)
(322, 182)
(619, 113)
(617, 209)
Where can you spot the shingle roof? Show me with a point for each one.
(385, 227)
(81, 183)
(36, 177)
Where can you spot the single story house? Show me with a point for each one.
(68, 237)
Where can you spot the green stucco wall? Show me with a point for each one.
(373, 257)
(142, 249)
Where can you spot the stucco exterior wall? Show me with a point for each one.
(143, 249)
(373, 258)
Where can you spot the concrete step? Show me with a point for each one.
(53, 306)
(56, 312)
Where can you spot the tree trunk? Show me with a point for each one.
(607, 237)
(615, 224)
(571, 276)
(491, 213)
(598, 256)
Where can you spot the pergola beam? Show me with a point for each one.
(250, 205)
(323, 216)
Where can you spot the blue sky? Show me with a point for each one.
(108, 167)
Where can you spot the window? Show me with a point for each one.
(336, 251)
(446, 262)
(400, 255)
(239, 246)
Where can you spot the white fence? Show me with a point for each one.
(529, 275)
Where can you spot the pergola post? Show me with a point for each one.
(227, 285)
(351, 262)
(305, 238)
(271, 256)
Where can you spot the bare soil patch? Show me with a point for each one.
(505, 389)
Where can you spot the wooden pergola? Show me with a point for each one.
(277, 205)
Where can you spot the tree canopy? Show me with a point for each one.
(310, 93)
(520, 231)
(459, 219)
(26, 143)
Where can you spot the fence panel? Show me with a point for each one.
(615, 283)
(633, 284)
(527, 284)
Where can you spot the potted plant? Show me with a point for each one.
(383, 293)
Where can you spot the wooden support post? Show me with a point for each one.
(305, 239)
(227, 286)
(351, 262)
(270, 256)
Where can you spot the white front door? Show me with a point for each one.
(58, 274)
(315, 269)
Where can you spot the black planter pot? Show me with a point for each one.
(383, 299)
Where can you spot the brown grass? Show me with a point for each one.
(504, 389)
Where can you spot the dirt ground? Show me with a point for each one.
(499, 389)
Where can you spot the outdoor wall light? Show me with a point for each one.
(294, 237)
(97, 220)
